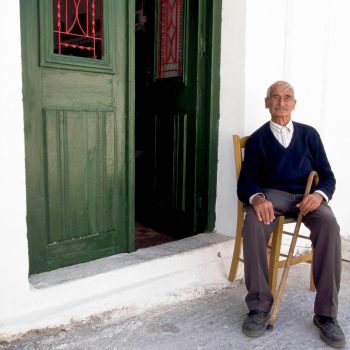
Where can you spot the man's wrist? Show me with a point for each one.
(254, 195)
(318, 194)
(321, 193)
(257, 199)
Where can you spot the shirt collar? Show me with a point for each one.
(279, 128)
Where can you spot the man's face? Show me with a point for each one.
(280, 103)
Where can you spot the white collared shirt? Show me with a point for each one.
(282, 133)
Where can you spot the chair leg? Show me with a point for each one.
(275, 254)
(312, 284)
(238, 244)
(268, 250)
(235, 257)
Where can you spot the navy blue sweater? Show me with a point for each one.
(267, 164)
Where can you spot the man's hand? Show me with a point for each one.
(263, 209)
(310, 203)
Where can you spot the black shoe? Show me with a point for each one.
(255, 323)
(330, 331)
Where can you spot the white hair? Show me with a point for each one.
(279, 82)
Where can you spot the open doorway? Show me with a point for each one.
(147, 232)
(176, 115)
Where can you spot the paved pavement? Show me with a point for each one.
(212, 321)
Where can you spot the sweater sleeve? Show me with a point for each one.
(248, 182)
(327, 180)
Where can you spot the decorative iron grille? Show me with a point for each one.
(170, 38)
(77, 28)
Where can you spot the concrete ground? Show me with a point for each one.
(211, 321)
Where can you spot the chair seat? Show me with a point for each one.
(289, 220)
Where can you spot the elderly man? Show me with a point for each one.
(278, 158)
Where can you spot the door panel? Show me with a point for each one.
(170, 161)
(63, 87)
(79, 166)
(76, 135)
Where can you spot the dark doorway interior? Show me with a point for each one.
(146, 231)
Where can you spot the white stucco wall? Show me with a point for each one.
(232, 108)
(13, 234)
(304, 42)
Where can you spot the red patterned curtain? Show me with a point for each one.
(170, 38)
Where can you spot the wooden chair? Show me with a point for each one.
(275, 257)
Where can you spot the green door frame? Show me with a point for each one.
(130, 127)
(209, 109)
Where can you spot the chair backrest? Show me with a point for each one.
(238, 148)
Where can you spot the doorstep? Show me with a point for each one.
(129, 283)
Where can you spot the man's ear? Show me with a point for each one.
(266, 102)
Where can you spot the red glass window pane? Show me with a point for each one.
(170, 38)
(77, 28)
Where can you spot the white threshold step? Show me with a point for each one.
(126, 283)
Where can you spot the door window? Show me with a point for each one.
(76, 34)
(77, 28)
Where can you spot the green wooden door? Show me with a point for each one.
(172, 178)
(77, 107)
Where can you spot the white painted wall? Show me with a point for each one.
(303, 41)
(232, 108)
(13, 234)
(306, 43)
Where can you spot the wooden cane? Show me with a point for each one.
(313, 177)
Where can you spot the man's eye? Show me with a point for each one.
(285, 99)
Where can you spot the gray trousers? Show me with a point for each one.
(325, 238)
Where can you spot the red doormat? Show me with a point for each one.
(147, 237)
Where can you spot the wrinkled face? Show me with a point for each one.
(280, 103)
